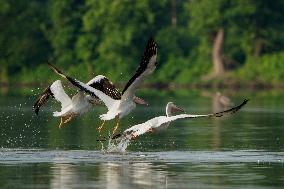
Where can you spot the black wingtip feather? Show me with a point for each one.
(70, 79)
(36, 111)
(106, 87)
(42, 99)
(151, 48)
(149, 51)
(56, 70)
(232, 110)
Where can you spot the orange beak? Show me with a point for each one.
(177, 109)
(138, 100)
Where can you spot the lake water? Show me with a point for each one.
(244, 150)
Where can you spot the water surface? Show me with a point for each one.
(244, 150)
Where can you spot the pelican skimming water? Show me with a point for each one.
(161, 122)
(118, 108)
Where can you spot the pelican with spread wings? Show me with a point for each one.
(79, 103)
(162, 122)
(118, 108)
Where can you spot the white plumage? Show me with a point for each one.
(97, 79)
(78, 105)
(70, 108)
(118, 108)
(163, 122)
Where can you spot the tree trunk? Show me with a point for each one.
(174, 13)
(218, 53)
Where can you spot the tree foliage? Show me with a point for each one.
(107, 37)
(22, 40)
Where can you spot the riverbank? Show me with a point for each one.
(226, 84)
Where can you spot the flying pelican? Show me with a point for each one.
(162, 122)
(80, 103)
(118, 108)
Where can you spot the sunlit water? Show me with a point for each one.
(245, 150)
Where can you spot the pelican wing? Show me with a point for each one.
(43, 98)
(147, 66)
(157, 122)
(55, 90)
(107, 100)
(59, 94)
(103, 84)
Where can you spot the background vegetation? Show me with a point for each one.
(199, 40)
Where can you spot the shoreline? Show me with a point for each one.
(172, 86)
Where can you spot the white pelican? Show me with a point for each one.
(161, 122)
(223, 100)
(118, 108)
(80, 103)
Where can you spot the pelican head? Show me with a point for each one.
(171, 108)
(138, 100)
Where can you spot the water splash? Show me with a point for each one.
(118, 145)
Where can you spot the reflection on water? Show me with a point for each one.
(64, 175)
(117, 175)
(170, 169)
(244, 150)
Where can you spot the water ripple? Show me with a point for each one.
(16, 156)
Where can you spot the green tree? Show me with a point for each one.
(65, 29)
(22, 41)
(264, 27)
(114, 32)
(232, 31)
(108, 37)
(214, 22)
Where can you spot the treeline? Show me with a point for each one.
(238, 40)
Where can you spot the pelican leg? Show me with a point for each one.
(61, 123)
(117, 125)
(101, 127)
(150, 130)
(66, 119)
